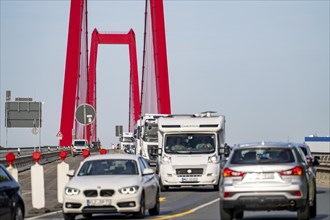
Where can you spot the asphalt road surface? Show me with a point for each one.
(186, 203)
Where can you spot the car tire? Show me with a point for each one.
(217, 187)
(313, 208)
(141, 212)
(226, 214)
(238, 214)
(18, 213)
(303, 213)
(68, 216)
(162, 187)
(88, 215)
(156, 209)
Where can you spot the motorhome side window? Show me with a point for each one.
(190, 143)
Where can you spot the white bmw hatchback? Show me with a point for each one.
(112, 183)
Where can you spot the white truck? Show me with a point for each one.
(127, 142)
(78, 145)
(146, 135)
(190, 150)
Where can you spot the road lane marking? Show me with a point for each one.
(186, 212)
(44, 215)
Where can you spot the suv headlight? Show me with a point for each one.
(129, 190)
(71, 191)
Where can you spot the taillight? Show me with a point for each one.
(309, 160)
(226, 172)
(296, 171)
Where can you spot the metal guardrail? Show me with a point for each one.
(24, 159)
(324, 161)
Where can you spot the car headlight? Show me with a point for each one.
(71, 191)
(129, 190)
(166, 159)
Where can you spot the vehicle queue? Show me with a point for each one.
(252, 176)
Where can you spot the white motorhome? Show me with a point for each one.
(146, 135)
(127, 142)
(190, 150)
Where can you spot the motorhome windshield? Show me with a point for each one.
(150, 131)
(189, 143)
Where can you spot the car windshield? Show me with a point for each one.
(80, 143)
(190, 144)
(109, 167)
(262, 156)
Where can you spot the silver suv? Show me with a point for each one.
(267, 176)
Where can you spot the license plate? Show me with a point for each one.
(189, 179)
(98, 202)
(260, 176)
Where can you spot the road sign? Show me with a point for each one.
(23, 114)
(59, 135)
(85, 114)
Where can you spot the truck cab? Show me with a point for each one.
(127, 142)
(190, 150)
(146, 135)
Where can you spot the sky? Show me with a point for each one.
(264, 65)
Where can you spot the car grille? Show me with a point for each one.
(152, 151)
(193, 171)
(99, 209)
(107, 192)
(90, 193)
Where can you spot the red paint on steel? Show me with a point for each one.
(160, 56)
(134, 98)
(72, 69)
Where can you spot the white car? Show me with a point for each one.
(112, 183)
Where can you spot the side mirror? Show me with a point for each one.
(70, 173)
(316, 161)
(157, 152)
(148, 171)
(227, 150)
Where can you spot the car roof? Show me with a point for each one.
(112, 156)
(264, 144)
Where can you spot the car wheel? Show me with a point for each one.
(238, 214)
(303, 213)
(216, 187)
(226, 214)
(88, 215)
(68, 216)
(156, 209)
(313, 208)
(142, 210)
(162, 187)
(18, 214)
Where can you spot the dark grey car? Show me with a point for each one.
(267, 176)
(11, 202)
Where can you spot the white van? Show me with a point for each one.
(78, 145)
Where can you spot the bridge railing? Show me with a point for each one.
(24, 158)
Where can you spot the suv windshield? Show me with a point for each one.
(262, 156)
(190, 144)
